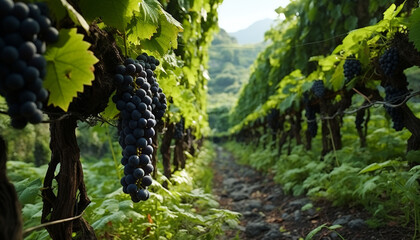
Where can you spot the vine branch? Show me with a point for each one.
(31, 229)
(375, 103)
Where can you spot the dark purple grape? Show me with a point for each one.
(138, 173)
(395, 96)
(20, 10)
(9, 54)
(143, 194)
(27, 50)
(147, 181)
(134, 100)
(352, 68)
(318, 88)
(132, 188)
(144, 159)
(29, 28)
(389, 61)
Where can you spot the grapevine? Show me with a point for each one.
(25, 29)
(310, 114)
(360, 118)
(273, 119)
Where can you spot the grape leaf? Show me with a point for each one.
(414, 30)
(166, 36)
(141, 28)
(111, 110)
(337, 79)
(75, 16)
(146, 21)
(150, 9)
(56, 9)
(113, 13)
(69, 67)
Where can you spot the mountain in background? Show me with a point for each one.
(254, 33)
(229, 69)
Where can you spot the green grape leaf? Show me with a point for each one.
(393, 11)
(75, 16)
(166, 36)
(69, 68)
(31, 191)
(146, 21)
(148, 10)
(111, 110)
(388, 14)
(141, 28)
(337, 79)
(57, 9)
(287, 103)
(113, 13)
(414, 28)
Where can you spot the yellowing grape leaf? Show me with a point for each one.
(69, 68)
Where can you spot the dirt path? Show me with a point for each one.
(269, 214)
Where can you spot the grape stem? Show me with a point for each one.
(361, 94)
(108, 134)
(332, 143)
(125, 44)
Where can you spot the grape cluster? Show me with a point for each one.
(159, 103)
(137, 93)
(273, 119)
(352, 68)
(310, 114)
(395, 96)
(24, 29)
(318, 88)
(389, 61)
(179, 129)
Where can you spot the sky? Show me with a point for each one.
(235, 15)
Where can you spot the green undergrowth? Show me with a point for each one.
(187, 210)
(376, 177)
